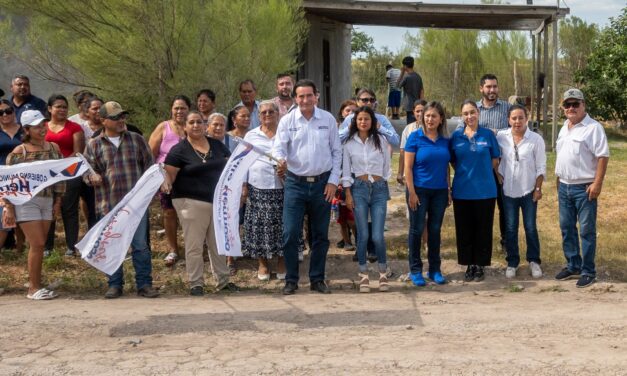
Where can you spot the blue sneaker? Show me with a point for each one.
(417, 279)
(437, 277)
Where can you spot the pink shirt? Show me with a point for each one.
(168, 140)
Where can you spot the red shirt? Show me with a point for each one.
(65, 138)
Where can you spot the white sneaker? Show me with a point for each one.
(536, 270)
(510, 272)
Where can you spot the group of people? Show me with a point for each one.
(287, 199)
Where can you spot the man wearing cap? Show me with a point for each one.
(580, 165)
(22, 99)
(119, 158)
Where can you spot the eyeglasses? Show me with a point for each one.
(366, 100)
(568, 105)
(117, 117)
(268, 112)
(6, 111)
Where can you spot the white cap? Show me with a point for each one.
(31, 118)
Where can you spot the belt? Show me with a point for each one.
(309, 179)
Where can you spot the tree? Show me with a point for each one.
(605, 77)
(361, 43)
(576, 42)
(141, 53)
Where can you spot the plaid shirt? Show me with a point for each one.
(495, 117)
(120, 167)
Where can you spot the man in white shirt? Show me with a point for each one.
(308, 147)
(580, 165)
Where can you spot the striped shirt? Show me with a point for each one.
(120, 167)
(495, 117)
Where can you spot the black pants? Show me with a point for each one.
(473, 228)
(69, 213)
(88, 195)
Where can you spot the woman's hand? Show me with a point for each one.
(400, 179)
(8, 216)
(349, 201)
(414, 201)
(450, 198)
(537, 195)
(56, 208)
(500, 178)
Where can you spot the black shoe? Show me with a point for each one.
(290, 288)
(320, 287)
(565, 274)
(340, 244)
(113, 293)
(479, 274)
(197, 291)
(148, 292)
(585, 281)
(469, 276)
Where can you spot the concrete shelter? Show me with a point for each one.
(326, 56)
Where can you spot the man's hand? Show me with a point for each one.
(329, 191)
(95, 180)
(400, 179)
(594, 190)
(281, 168)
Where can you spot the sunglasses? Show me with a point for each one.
(568, 105)
(366, 100)
(7, 111)
(117, 117)
(268, 112)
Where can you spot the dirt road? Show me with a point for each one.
(459, 329)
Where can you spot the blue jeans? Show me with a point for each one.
(529, 208)
(300, 198)
(370, 198)
(433, 203)
(574, 207)
(142, 261)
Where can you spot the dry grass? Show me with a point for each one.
(76, 277)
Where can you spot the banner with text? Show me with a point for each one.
(21, 182)
(226, 199)
(106, 244)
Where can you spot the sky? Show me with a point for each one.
(591, 11)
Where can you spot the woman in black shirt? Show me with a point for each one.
(193, 168)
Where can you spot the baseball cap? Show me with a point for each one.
(31, 118)
(573, 94)
(111, 109)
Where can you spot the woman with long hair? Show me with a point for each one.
(365, 170)
(475, 157)
(70, 138)
(427, 158)
(167, 134)
(35, 216)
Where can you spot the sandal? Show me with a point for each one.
(171, 259)
(364, 283)
(42, 294)
(384, 286)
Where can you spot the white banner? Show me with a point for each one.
(21, 182)
(226, 199)
(106, 244)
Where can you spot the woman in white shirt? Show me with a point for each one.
(521, 171)
(263, 219)
(365, 170)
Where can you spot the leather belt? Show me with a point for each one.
(309, 179)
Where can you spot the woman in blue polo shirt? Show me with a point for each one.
(427, 176)
(474, 156)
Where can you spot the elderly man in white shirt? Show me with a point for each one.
(580, 166)
(521, 172)
(308, 147)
